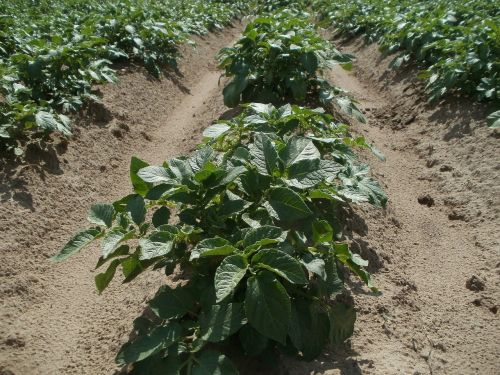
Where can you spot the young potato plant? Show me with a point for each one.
(247, 226)
(280, 59)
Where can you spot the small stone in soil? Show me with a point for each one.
(431, 163)
(474, 283)
(409, 119)
(454, 215)
(146, 136)
(116, 132)
(445, 168)
(426, 199)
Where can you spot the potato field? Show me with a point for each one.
(264, 187)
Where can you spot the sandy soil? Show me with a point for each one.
(52, 320)
(435, 250)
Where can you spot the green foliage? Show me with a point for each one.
(52, 52)
(280, 59)
(250, 218)
(248, 222)
(457, 42)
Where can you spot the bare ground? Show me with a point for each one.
(434, 251)
(52, 320)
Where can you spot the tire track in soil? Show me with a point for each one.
(52, 320)
(422, 254)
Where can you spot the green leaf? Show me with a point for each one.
(253, 342)
(231, 205)
(267, 306)
(333, 284)
(76, 243)
(348, 106)
(170, 302)
(212, 247)
(310, 62)
(263, 154)
(309, 328)
(101, 214)
(232, 92)
(200, 158)
(287, 205)
(354, 262)
(102, 280)
(254, 183)
(208, 171)
(305, 174)
(299, 88)
(47, 121)
(140, 187)
(297, 149)
(219, 322)
(161, 216)
(342, 318)
(264, 235)
(133, 267)
(282, 264)
(181, 169)
(216, 130)
(121, 251)
(137, 209)
(261, 108)
(308, 173)
(229, 273)
(130, 29)
(329, 194)
(156, 245)
(232, 175)
(155, 174)
(494, 120)
(357, 187)
(315, 265)
(322, 231)
(143, 347)
(213, 363)
(158, 365)
(112, 240)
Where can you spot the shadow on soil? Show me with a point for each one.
(41, 157)
(355, 228)
(340, 359)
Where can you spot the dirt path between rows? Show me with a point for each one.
(52, 320)
(434, 251)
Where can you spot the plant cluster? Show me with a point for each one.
(457, 42)
(52, 52)
(280, 59)
(271, 5)
(248, 221)
(247, 230)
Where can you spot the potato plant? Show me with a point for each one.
(247, 226)
(52, 52)
(279, 59)
(456, 43)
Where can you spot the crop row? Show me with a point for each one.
(247, 225)
(457, 43)
(52, 52)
